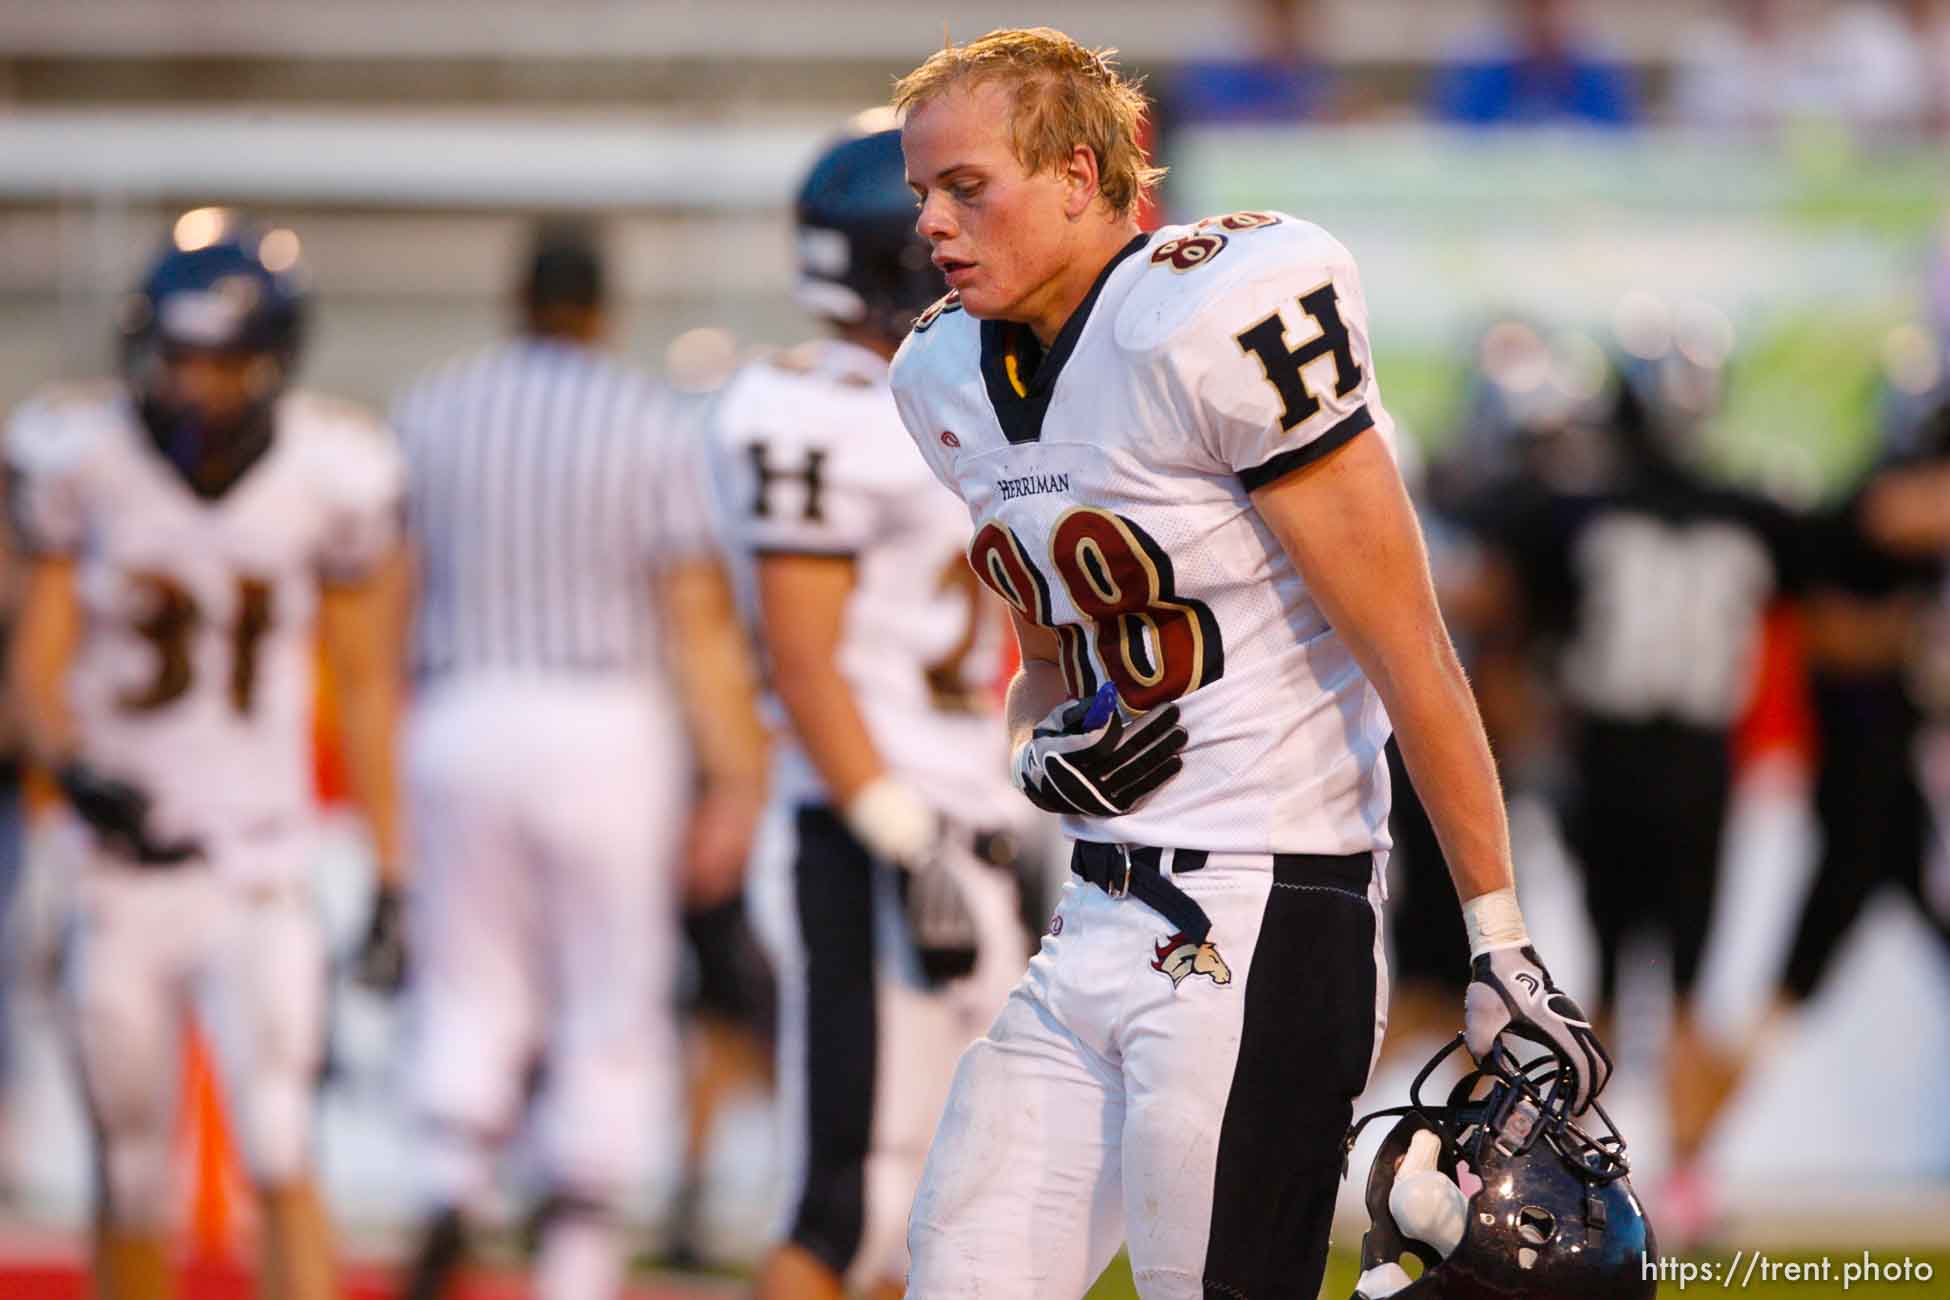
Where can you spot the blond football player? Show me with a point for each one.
(1172, 448)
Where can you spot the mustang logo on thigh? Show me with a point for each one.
(1178, 957)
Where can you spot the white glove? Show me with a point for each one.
(1511, 992)
(895, 824)
(902, 831)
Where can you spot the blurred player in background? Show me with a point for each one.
(1517, 421)
(1879, 657)
(1652, 585)
(192, 529)
(1528, 431)
(573, 629)
(883, 651)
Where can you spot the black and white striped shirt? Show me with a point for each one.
(547, 484)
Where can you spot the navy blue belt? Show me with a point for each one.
(1137, 871)
(1126, 870)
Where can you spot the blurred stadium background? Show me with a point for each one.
(1791, 214)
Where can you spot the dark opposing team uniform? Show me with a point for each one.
(1873, 816)
(1654, 593)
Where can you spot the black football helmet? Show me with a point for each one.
(1674, 367)
(1913, 396)
(1550, 1209)
(1531, 411)
(219, 286)
(860, 259)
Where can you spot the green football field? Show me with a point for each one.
(1343, 1267)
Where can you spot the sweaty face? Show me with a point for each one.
(1000, 236)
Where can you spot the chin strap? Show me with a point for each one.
(1354, 1131)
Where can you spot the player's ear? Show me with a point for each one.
(1080, 182)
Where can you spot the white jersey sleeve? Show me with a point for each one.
(1271, 363)
(48, 443)
(360, 475)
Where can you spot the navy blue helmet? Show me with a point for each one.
(1532, 402)
(225, 288)
(1546, 1206)
(860, 259)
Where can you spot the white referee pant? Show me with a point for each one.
(546, 814)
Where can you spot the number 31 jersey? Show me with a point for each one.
(811, 460)
(1109, 481)
(194, 677)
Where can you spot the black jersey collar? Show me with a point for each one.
(1021, 378)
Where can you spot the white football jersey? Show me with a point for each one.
(811, 459)
(195, 678)
(1109, 481)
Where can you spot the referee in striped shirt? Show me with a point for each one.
(582, 688)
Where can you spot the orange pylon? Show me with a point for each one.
(216, 1177)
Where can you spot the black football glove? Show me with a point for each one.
(380, 963)
(1079, 759)
(939, 921)
(118, 813)
(1511, 992)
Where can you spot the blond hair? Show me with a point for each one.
(1064, 95)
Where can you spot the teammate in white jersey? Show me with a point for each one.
(195, 529)
(883, 653)
(1172, 448)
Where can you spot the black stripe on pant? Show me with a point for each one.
(1304, 1049)
(833, 881)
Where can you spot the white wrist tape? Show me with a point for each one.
(1494, 921)
(892, 821)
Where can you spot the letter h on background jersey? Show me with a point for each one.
(813, 476)
(1267, 341)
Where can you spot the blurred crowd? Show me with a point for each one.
(1879, 66)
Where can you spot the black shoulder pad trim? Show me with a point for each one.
(1286, 462)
